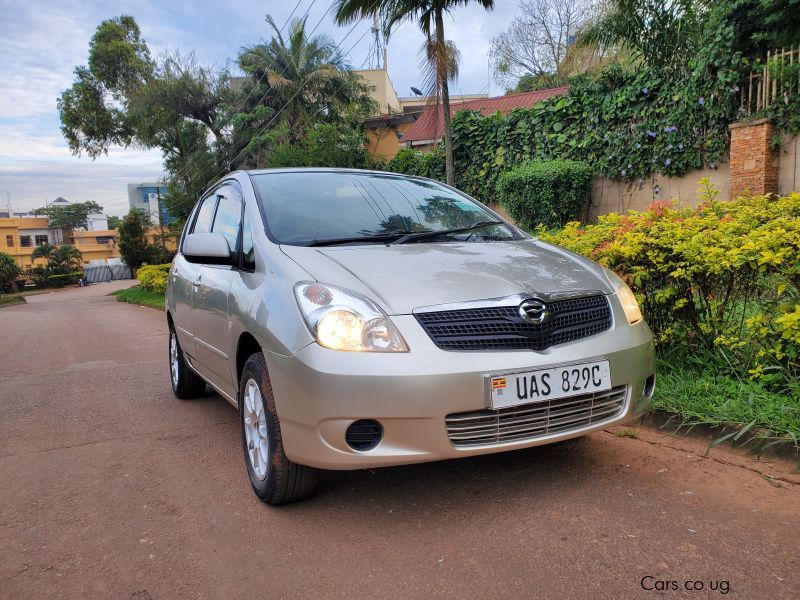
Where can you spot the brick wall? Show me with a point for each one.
(753, 163)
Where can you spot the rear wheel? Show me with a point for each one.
(275, 479)
(186, 383)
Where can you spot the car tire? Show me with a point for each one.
(275, 479)
(186, 384)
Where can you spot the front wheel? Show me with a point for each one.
(275, 479)
(186, 383)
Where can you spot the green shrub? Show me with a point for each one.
(549, 193)
(411, 162)
(65, 279)
(721, 280)
(154, 277)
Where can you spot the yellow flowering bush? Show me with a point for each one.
(154, 277)
(723, 276)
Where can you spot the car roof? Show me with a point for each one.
(320, 170)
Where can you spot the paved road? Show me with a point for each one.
(110, 488)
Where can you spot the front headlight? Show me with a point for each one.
(629, 303)
(343, 320)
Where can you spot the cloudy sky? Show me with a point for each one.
(42, 42)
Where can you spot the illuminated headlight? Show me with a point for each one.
(343, 320)
(629, 303)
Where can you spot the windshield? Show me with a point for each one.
(308, 207)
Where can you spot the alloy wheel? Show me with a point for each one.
(173, 359)
(255, 429)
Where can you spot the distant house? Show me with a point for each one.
(395, 113)
(428, 129)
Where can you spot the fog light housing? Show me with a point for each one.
(364, 435)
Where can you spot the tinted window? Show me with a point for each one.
(205, 215)
(305, 206)
(229, 213)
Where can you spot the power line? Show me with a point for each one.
(299, 89)
(286, 104)
(264, 74)
(185, 171)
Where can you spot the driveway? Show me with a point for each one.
(111, 488)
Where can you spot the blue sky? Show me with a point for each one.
(42, 42)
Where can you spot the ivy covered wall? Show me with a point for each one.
(627, 125)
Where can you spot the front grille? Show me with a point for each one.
(502, 328)
(532, 421)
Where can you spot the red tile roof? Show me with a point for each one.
(430, 125)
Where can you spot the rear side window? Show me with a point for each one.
(205, 216)
(229, 216)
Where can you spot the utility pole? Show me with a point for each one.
(160, 220)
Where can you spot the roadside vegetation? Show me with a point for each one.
(151, 289)
(720, 287)
(139, 295)
(9, 299)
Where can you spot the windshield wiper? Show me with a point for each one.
(378, 237)
(410, 237)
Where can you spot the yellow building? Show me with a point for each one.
(96, 245)
(19, 236)
(395, 114)
(154, 235)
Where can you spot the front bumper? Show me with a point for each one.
(320, 392)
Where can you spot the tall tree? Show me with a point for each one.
(124, 97)
(133, 245)
(663, 34)
(429, 16)
(295, 82)
(536, 42)
(74, 215)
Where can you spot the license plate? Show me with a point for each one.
(549, 384)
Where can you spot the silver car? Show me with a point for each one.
(366, 319)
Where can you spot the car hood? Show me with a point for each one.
(407, 276)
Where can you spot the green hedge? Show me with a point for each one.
(411, 162)
(549, 193)
(65, 279)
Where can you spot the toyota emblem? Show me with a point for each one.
(533, 311)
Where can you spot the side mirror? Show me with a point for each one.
(208, 248)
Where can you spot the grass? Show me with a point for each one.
(9, 299)
(707, 397)
(626, 432)
(138, 295)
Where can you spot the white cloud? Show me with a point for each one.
(43, 41)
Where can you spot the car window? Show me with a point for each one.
(205, 215)
(228, 218)
(301, 207)
(248, 253)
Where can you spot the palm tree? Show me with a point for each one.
(661, 33)
(60, 259)
(439, 53)
(42, 251)
(64, 259)
(306, 78)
